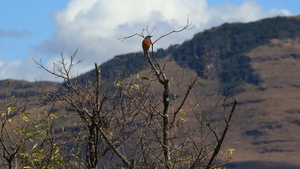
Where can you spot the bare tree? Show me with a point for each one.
(130, 124)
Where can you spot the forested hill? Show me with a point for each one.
(227, 44)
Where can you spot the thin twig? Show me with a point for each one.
(220, 142)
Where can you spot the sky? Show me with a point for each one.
(46, 30)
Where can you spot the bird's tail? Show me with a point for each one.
(145, 54)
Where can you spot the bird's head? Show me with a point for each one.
(148, 37)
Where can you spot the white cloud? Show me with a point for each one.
(92, 25)
(11, 69)
(245, 12)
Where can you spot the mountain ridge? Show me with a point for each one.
(227, 44)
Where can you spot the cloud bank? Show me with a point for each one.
(91, 26)
(13, 33)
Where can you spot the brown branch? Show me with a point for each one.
(220, 142)
(124, 37)
(64, 70)
(111, 144)
(190, 87)
(186, 27)
(98, 79)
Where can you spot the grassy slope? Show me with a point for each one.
(268, 130)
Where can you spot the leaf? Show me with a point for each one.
(135, 86)
(111, 134)
(22, 154)
(126, 93)
(34, 146)
(38, 125)
(230, 151)
(145, 86)
(9, 109)
(53, 115)
(138, 74)
(66, 137)
(62, 116)
(183, 112)
(76, 155)
(147, 78)
(55, 148)
(200, 84)
(140, 93)
(182, 119)
(120, 84)
(178, 124)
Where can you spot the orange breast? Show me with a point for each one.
(146, 45)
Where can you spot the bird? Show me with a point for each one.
(146, 45)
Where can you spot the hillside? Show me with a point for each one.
(270, 124)
(227, 45)
(261, 58)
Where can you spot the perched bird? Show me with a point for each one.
(146, 45)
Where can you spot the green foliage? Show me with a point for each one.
(230, 42)
(23, 86)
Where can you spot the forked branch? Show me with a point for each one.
(220, 142)
(62, 70)
(188, 26)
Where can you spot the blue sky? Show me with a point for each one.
(42, 30)
(31, 19)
